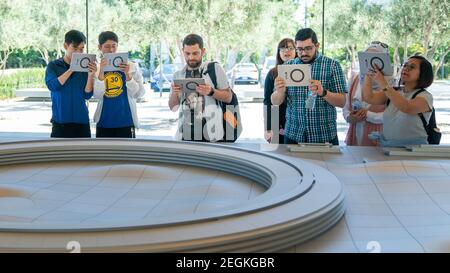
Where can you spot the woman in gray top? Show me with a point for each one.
(401, 122)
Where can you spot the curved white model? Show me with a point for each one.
(302, 200)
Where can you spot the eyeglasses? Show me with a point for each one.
(285, 49)
(409, 66)
(379, 43)
(306, 49)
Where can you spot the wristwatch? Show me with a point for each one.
(211, 93)
(324, 93)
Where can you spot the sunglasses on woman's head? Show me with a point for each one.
(379, 43)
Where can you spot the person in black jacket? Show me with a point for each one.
(285, 52)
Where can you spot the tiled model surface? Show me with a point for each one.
(160, 196)
(107, 191)
(393, 203)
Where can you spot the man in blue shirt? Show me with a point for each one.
(70, 90)
(317, 124)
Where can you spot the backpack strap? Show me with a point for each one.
(424, 122)
(422, 118)
(417, 93)
(420, 114)
(211, 71)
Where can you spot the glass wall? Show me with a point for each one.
(237, 31)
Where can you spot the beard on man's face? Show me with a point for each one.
(308, 58)
(194, 63)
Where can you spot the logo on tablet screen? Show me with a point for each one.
(296, 75)
(84, 62)
(378, 62)
(191, 86)
(113, 84)
(116, 62)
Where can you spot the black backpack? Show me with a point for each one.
(232, 125)
(434, 135)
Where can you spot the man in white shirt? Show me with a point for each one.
(200, 116)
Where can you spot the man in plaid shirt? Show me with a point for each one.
(317, 125)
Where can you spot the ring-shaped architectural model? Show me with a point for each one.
(302, 200)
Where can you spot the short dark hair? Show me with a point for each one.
(74, 37)
(107, 35)
(426, 75)
(193, 39)
(305, 34)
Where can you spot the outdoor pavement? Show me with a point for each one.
(22, 119)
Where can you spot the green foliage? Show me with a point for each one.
(446, 71)
(27, 57)
(408, 26)
(254, 58)
(242, 25)
(25, 78)
(244, 28)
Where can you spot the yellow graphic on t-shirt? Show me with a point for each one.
(113, 84)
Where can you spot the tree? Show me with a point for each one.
(349, 25)
(50, 21)
(435, 31)
(12, 33)
(224, 25)
(408, 26)
(423, 22)
(112, 15)
(401, 25)
(228, 27)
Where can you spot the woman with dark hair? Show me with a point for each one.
(285, 52)
(402, 123)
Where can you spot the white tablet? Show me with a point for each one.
(80, 62)
(295, 74)
(115, 60)
(368, 60)
(189, 85)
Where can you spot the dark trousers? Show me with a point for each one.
(123, 132)
(70, 130)
(334, 141)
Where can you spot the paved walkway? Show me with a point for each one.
(31, 119)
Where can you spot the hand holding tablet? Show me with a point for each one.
(114, 60)
(295, 74)
(80, 62)
(189, 85)
(371, 60)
